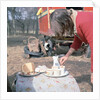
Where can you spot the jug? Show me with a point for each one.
(55, 61)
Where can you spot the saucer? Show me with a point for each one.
(63, 75)
(28, 75)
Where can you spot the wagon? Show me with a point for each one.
(44, 28)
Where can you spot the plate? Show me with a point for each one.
(41, 69)
(65, 74)
(26, 75)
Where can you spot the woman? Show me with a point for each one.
(70, 22)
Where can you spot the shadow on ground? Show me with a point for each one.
(85, 78)
(11, 83)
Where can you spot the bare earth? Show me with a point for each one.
(77, 65)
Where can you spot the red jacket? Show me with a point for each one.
(84, 27)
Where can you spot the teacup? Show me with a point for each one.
(55, 67)
(57, 72)
(62, 68)
(49, 72)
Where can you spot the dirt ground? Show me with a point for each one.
(77, 65)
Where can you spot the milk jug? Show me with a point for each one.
(55, 61)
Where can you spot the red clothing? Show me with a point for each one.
(84, 27)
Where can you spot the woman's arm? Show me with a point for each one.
(75, 46)
(71, 50)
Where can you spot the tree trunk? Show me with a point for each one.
(8, 26)
(8, 29)
(23, 28)
(13, 20)
(33, 26)
(28, 24)
(27, 29)
(36, 28)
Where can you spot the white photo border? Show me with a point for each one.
(47, 95)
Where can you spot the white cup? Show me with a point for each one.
(54, 67)
(49, 72)
(62, 68)
(57, 72)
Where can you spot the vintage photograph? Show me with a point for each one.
(49, 49)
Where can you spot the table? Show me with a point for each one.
(42, 83)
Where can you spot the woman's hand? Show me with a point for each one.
(63, 59)
(92, 78)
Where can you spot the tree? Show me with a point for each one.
(13, 19)
(21, 20)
